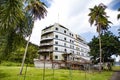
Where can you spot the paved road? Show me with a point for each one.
(116, 75)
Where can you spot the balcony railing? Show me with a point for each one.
(46, 44)
(47, 38)
(45, 50)
(47, 31)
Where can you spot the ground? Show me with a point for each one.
(116, 75)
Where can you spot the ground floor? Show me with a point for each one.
(58, 64)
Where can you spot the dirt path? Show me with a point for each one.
(116, 75)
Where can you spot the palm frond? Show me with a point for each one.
(118, 17)
(98, 17)
(37, 10)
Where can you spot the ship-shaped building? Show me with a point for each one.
(59, 47)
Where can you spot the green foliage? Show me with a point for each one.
(118, 16)
(110, 46)
(99, 18)
(16, 23)
(15, 50)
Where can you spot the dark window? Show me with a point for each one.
(56, 42)
(56, 57)
(64, 31)
(64, 38)
(56, 48)
(56, 28)
(70, 34)
(72, 41)
(56, 36)
(65, 50)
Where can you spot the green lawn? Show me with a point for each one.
(12, 73)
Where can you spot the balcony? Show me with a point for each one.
(46, 38)
(45, 50)
(46, 44)
(47, 32)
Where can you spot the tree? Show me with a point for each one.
(110, 46)
(37, 10)
(100, 19)
(118, 16)
(17, 18)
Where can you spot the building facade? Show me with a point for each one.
(59, 45)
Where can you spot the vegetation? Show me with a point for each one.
(17, 54)
(99, 17)
(16, 22)
(110, 46)
(36, 9)
(60, 74)
(118, 16)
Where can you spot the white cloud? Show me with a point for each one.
(72, 14)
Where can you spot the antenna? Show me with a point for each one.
(58, 17)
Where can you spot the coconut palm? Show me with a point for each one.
(118, 17)
(36, 10)
(10, 14)
(13, 21)
(99, 18)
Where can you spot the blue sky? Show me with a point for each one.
(73, 14)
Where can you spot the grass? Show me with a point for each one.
(12, 73)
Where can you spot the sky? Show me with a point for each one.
(73, 14)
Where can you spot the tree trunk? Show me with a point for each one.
(21, 69)
(100, 67)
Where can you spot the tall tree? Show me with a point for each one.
(15, 24)
(118, 17)
(110, 46)
(100, 19)
(37, 10)
(17, 18)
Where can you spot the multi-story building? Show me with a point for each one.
(59, 45)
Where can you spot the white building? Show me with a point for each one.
(59, 45)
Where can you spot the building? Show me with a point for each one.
(60, 46)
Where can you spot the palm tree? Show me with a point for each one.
(99, 18)
(118, 17)
(10, 14)
(14, 21)
(36, 10)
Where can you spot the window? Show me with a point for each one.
(56, 28)
(56, 42)
(64, 44)
(56, 57)
(64, 31)
(56, 36)
(65, 38)
(72, 41)
(70, 34)
(73, 47)
(56, 48)
(73, 51)
(65, 50)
